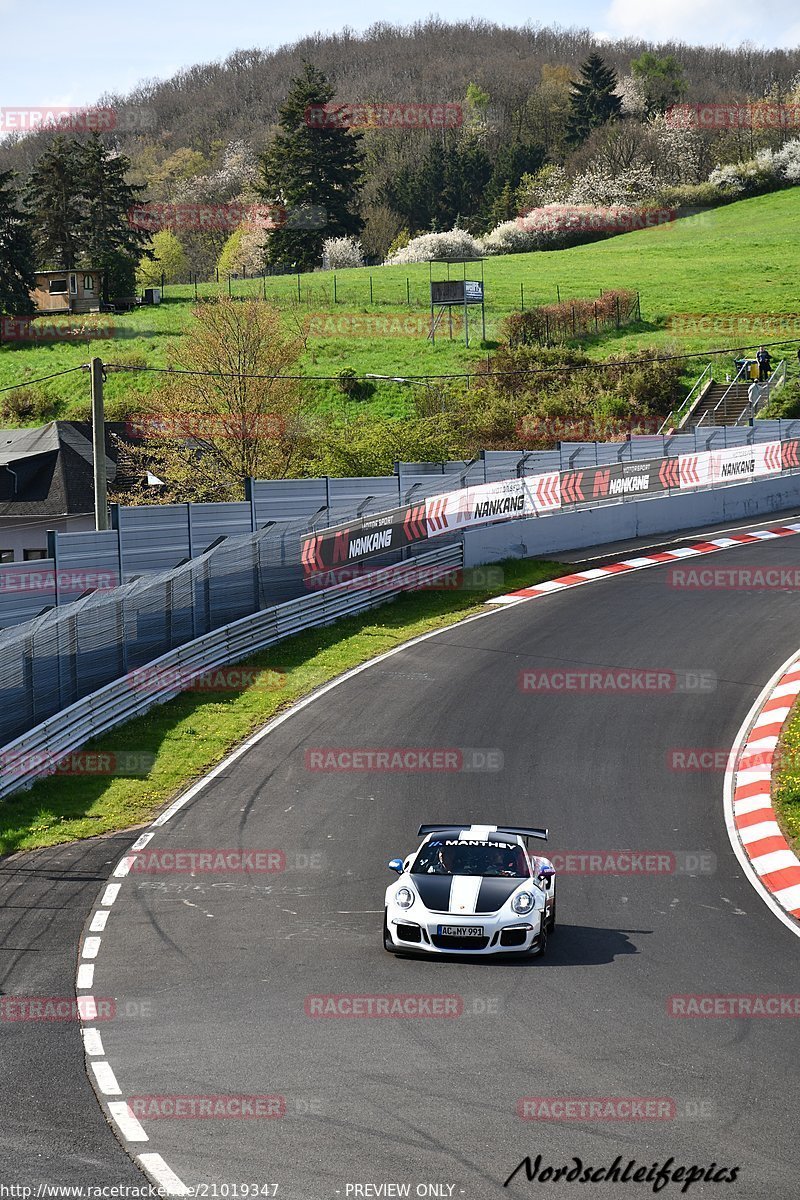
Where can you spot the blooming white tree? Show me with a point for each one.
(428, 247)
(598, 186)
(632, 94)
(554, 226)
(341, 252)
(787, 161)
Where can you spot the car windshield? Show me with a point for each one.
(455, 857)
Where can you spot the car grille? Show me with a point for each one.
(459, 943)
(513, 937)
(409, 933)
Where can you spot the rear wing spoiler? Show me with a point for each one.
(522, 830)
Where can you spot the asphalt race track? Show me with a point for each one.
(222, 965)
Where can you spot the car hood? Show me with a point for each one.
(463, 894)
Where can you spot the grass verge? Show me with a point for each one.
(190, 734)
(786, 780)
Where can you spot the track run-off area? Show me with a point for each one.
(604, 712)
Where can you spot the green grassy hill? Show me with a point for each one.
(739, 261)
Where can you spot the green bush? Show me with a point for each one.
(27, 406)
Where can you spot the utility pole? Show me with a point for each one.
(99, 447)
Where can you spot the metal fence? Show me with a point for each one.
(55, 730)
(67, 653)
(148, 539)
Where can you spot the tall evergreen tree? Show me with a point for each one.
(107, 237)
(54, 200)
(593, 99)
(17, 254)
(313, 171)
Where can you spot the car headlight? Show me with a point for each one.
(523, 902)
(404, 897)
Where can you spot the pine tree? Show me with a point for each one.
(54, 200)
(17, 254)
(106, 236)
(312, 171)
(593, 100)
(662, 80)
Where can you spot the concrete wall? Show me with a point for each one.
(589, 527)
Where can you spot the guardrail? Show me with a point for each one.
(36, 753)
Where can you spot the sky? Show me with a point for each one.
(53, 52)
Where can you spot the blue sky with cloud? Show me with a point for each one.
(57, 53)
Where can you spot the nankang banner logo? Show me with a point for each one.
(372, 543)
(502, 507)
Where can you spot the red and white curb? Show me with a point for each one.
(755, 833)
(638, 564)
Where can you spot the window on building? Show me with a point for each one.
(33, 555)
(58, 285)
(88, 284)
(73, 284)
(6, 556)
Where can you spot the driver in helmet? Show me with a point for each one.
(443, 861)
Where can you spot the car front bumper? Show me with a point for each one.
(504, 933)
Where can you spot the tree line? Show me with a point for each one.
(528, 110)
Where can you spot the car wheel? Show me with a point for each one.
(551, 924)
(388, 944)
(542, 947)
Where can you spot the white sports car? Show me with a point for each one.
(471, 889)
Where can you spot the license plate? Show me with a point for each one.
(461, 931)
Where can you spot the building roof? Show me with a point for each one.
(48, 471)
(69, 270)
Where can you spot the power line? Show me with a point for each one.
(42, 379)
(601, 364)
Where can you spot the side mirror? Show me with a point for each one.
(546, 874)
(396, 864)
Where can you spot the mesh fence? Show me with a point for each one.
(69, 652)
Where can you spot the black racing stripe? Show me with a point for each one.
(434, 891)
(494, 893)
